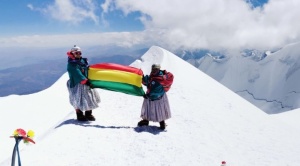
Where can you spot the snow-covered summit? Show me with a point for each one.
(209, 124)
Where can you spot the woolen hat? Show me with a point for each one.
(75, 49)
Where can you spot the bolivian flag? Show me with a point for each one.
(116, 77)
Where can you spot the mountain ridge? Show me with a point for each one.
(274, 78)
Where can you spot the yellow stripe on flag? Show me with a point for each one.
(115, 76)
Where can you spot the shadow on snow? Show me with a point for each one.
(150, 129)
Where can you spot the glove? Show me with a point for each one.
(88, 83)
(145, 96)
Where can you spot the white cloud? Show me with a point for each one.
(30, 6)
(217, 24)
(71, 11)
(107, 5)
(191, 24)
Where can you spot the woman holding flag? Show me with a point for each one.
(82, 97)
(156, 104)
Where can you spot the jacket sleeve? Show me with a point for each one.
(76, 74)
(145, 80)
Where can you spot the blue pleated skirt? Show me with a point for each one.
(83, 98)
(157, 110)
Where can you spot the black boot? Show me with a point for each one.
(143, 122)
(80, 116)
(89, 116)
(162, 125)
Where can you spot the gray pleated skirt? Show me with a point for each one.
(82, 97)
(157, 110)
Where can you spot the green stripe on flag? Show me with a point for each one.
(118, 87)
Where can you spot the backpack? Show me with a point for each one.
(167, 81)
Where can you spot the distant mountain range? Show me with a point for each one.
(268, 79)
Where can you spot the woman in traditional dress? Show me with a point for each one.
(156, 104)
(82, 97)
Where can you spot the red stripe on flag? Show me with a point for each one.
(113, 66)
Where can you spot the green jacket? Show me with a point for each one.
(77, 70)
(154, 89)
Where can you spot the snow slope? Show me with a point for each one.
(209, 124)
(271, 84)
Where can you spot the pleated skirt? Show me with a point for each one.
(83, 98)
(157, 110)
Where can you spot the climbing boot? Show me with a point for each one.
(162, 125)
(143, 122)
(89, 116)
(80, 116)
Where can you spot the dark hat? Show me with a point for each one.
(156, 66)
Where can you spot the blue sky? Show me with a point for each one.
(257, 3)
(172, 24)
(29, 17)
